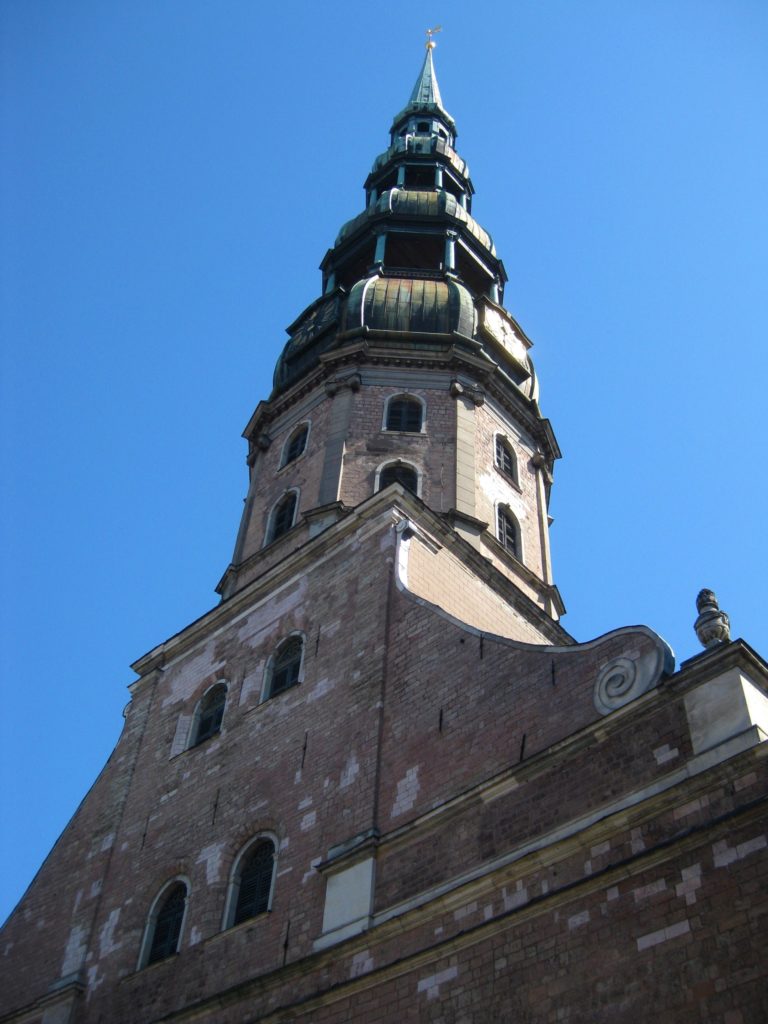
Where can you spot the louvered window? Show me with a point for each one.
(167, 925)
(286, 666)
(283, 516)
(255, 881)
(404, 414)
(296, 444)
(210, 714)
(508, 532)
(401, 473)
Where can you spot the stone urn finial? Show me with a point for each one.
(712, 626)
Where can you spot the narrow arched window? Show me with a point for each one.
(283, 516)
(165, 924)
(209, 714)
(295, 445)
(285, 669)
(252, 884)
(404, 414)
(508, 532)
(505, 458)
(401, 473)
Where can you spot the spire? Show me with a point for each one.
(426, 91)
(425, 96)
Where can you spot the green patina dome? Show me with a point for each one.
(413, 306)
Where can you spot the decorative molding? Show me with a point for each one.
(473, 392)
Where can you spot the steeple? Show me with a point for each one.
(426, 91)
(425, 99)
(410, 306)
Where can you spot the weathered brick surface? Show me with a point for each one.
(534, 860)
(367, 446)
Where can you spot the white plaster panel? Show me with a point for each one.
(182, 732)
(107, 942)
(211, 856)
(351, 769)
(74, 951)
(348, 895)
(182, 678)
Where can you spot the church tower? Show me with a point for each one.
(409, 369)
(379, 781)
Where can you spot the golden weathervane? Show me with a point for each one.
(431, 44)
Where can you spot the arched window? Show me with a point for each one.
(252, 881)
(285, 669)
(508, 531)
(505, 458)
(283, 516)
(163, 932)
(405, 413)
(401, 473)
(208, 715)
(295, 445)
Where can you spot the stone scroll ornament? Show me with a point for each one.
(626, 678)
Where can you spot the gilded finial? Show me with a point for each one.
(431, 44)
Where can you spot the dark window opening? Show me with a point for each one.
(508, 532)
(451, 185)
(420, 177)
(167, 926)
(356, 265)
(401, 473)
(472, 274)
(255, 881)
(505, 459)
(404, 414)
(286, 666)
(283, 516)
(414, 252)
(210, 714)
(296, 444)
(422, 126)
(386, 183)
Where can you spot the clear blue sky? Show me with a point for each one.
(172, 174)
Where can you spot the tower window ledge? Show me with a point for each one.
(402, 433)
(508, 478)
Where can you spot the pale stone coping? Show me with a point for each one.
(722, 706)
(730, 748)
(347, 931)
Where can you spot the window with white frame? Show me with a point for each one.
(252, 881)
(295, 445)
(505, 458)
(208, 714)
(508, 531)
(404, 413)
(162, 935)
(283, 516)
(284, 669)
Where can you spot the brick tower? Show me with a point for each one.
(379, 782)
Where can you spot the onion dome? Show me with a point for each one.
(412, 306)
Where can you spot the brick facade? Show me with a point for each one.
(534, 859)
(474, 817)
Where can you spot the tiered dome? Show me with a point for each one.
(415, 262)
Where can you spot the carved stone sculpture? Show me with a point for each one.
(712, 626)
